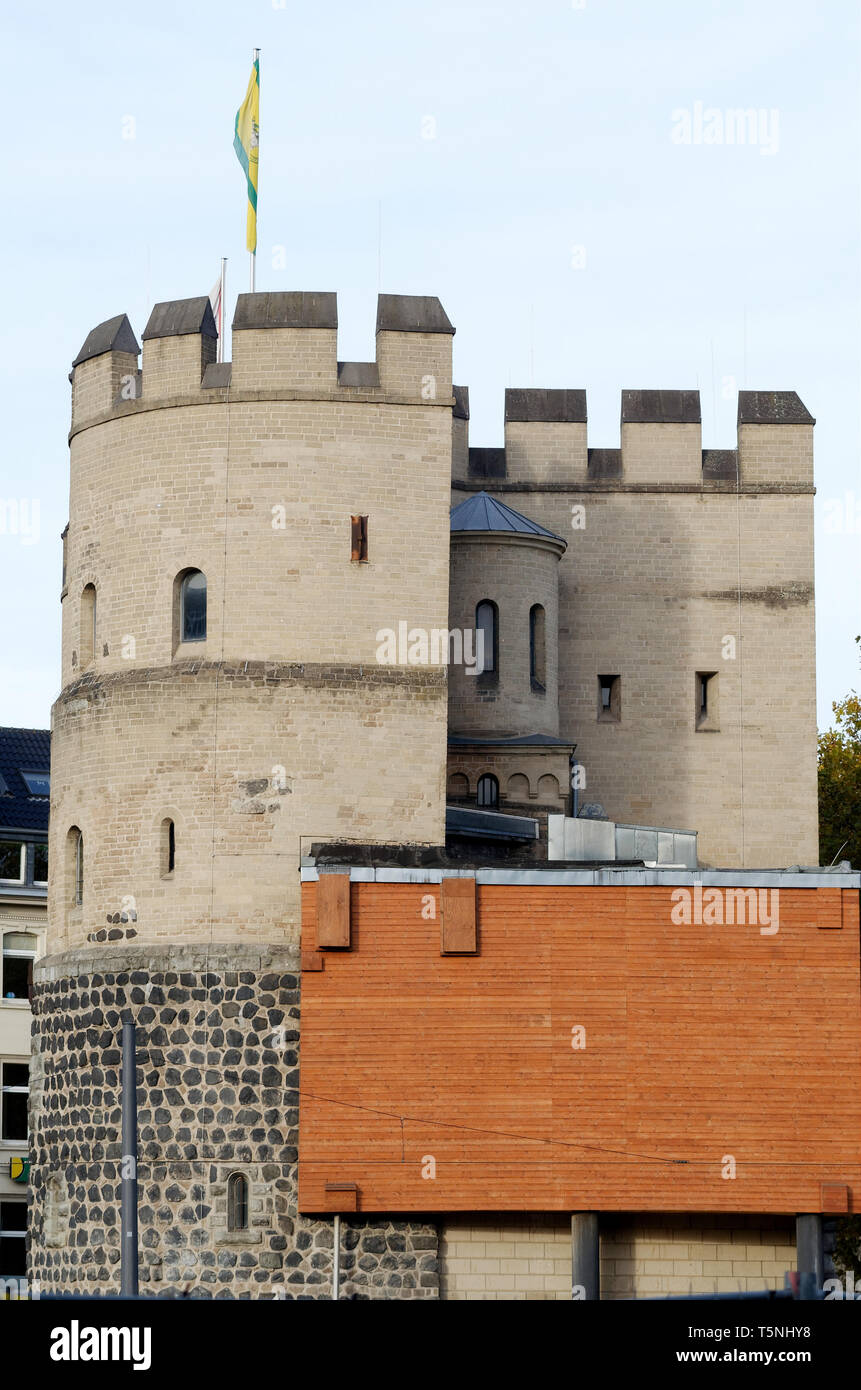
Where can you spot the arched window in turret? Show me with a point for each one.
(488, 792)
(237, 1202)
(88, 625)
(191, 599)
(537, 649)
(487, 623)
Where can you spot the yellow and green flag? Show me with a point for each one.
(246, 142)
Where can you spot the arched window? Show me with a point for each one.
(87, 643)
(192, 606)
(168, 847)
(537, 648)
(237, 1202)
(75, 867)
(488, 791)
(487, 623)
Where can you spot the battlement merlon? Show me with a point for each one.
(661, 443)
(108, 358)
(282, 342)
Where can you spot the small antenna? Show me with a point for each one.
(840, 851)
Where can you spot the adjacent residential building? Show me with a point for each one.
(24, 791)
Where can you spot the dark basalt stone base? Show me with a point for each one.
(218, 1093)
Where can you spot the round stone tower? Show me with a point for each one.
(237, 532)
(505, 584)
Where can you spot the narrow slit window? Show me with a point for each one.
(487, 624)
(193, 607)
(537, 649)
(75, 867)
(237, 1202)
(610, 699)
(88, 625)
(168, 847)
(359, 539)
(706, 708)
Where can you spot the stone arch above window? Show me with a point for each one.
(548, 788)
(517, 787)
(458, 784)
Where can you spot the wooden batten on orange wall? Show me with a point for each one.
(607, 1049)
(457, 916)
(333, 910)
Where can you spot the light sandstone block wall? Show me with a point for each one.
(282, 726)
(665, 578)
(528, 1257)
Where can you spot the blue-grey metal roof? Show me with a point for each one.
(23, 750)
(485, 513)
(488, 825)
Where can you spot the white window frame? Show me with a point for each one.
(15, 955)
(23, 862)
(13, 1091)
(38, 882)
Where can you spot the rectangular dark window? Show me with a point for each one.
(13, 1243)
(359, 538)
(610, 699)
(706, 706)
(12, 861)
(40, 863)
(14, 1089)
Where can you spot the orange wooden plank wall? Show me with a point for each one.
(462, 1082)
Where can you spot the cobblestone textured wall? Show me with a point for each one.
(218, 1093)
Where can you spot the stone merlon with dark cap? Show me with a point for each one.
(287, 309)
(178, 317)
(114, 335)
(545, 406)
(411, 313)
(661, 408)
(772, 408)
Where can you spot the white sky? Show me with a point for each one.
(710, 265)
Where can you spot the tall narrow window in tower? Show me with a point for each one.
(537, 649)
(192, 603)
(237, 1202)
(87, 643)
(609, 699)
(359, 538)
(487, 623)
(488, 791)
(168, 847)
(74, 867)
(706, 708)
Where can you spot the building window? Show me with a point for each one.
(14, 1090)
(19, 952)
(237, 1202)
(609, 699)
(706, 708)
(74, 867)
(88, 625)
(487, 623)
(359, 538)
(168, 848)
(37, 783)
(192, 606)
(13, 1239)
(537, 649)
(40, 862)
(13, 861)
(488, 791)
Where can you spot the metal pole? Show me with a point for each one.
(253, 254)
(585, 1256)
(810, 1253)
(221, 309)
(129, 1172)
(336, 1259)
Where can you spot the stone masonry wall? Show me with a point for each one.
(218, 1093)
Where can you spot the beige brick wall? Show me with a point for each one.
(528, 1257)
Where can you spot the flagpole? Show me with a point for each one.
(221, 309)
(253, 254)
